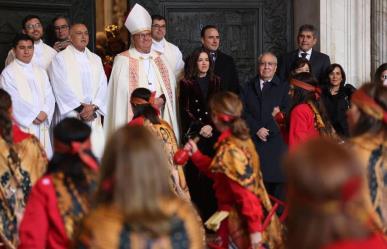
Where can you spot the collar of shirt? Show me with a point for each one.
(143, 55)
(80, 55)
(308, 53)
(158, 46)
(24, 65)
(261, 81)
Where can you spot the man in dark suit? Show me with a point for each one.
(260, 96)
(224, 65)
(307, 38)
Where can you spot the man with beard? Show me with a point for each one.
(43, 54)
(224, 65)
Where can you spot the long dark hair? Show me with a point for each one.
(367, 123)
(6, 124)
(191, 70)
(145, 110)
(67, 131)
(302, 96)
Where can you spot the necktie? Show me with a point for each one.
(213, 56)
(265, 85)
(303, 55)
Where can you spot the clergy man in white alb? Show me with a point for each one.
(32, 99)
(140, 67)
(43, 54)
(80, 85)
(171, 52)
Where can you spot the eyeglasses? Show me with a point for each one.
(143, 36)
(33, 26)
(156, 26)
(269, 64)
(62, 27)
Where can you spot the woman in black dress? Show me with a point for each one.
(196, 88)
(336, 97)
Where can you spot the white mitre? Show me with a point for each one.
(138, 20)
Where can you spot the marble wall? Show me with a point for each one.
(345, 35)
(378, 33)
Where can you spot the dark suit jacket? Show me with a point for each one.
(319, 61)
(226, 70)
(258, 107)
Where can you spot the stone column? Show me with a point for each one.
(346, 36)
(378, 33)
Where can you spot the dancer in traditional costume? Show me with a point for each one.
(327, 209)
(61, 198)
(307, 118)
(135, 207)
(241, 195)
(146, 114)
(367, 120)
(22, 162)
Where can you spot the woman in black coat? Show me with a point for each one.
(197, 87)
(336, 97)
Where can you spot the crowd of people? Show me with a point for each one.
(156, 151)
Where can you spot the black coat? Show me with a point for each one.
(193, 105)
(319, 61)
(337, 106)
(225, 68)
(258, 109)
(194, 114)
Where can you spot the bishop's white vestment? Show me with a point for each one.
(132, 69)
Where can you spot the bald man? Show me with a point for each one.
(80, 84)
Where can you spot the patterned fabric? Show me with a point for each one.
(166, 135)
(105, 228)
(372, 152)
(177, 238)
(72, 204)
(16, 180)
(165, 75)
(238, 160)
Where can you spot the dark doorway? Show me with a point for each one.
(247, 27)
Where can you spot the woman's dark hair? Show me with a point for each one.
(379, 72)
(145, 110)
(321, 209)
(300, 62)
(330, 69)
(367, 123)
(302, 96)
(192, 71)
(6, 124)
(67, 131)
